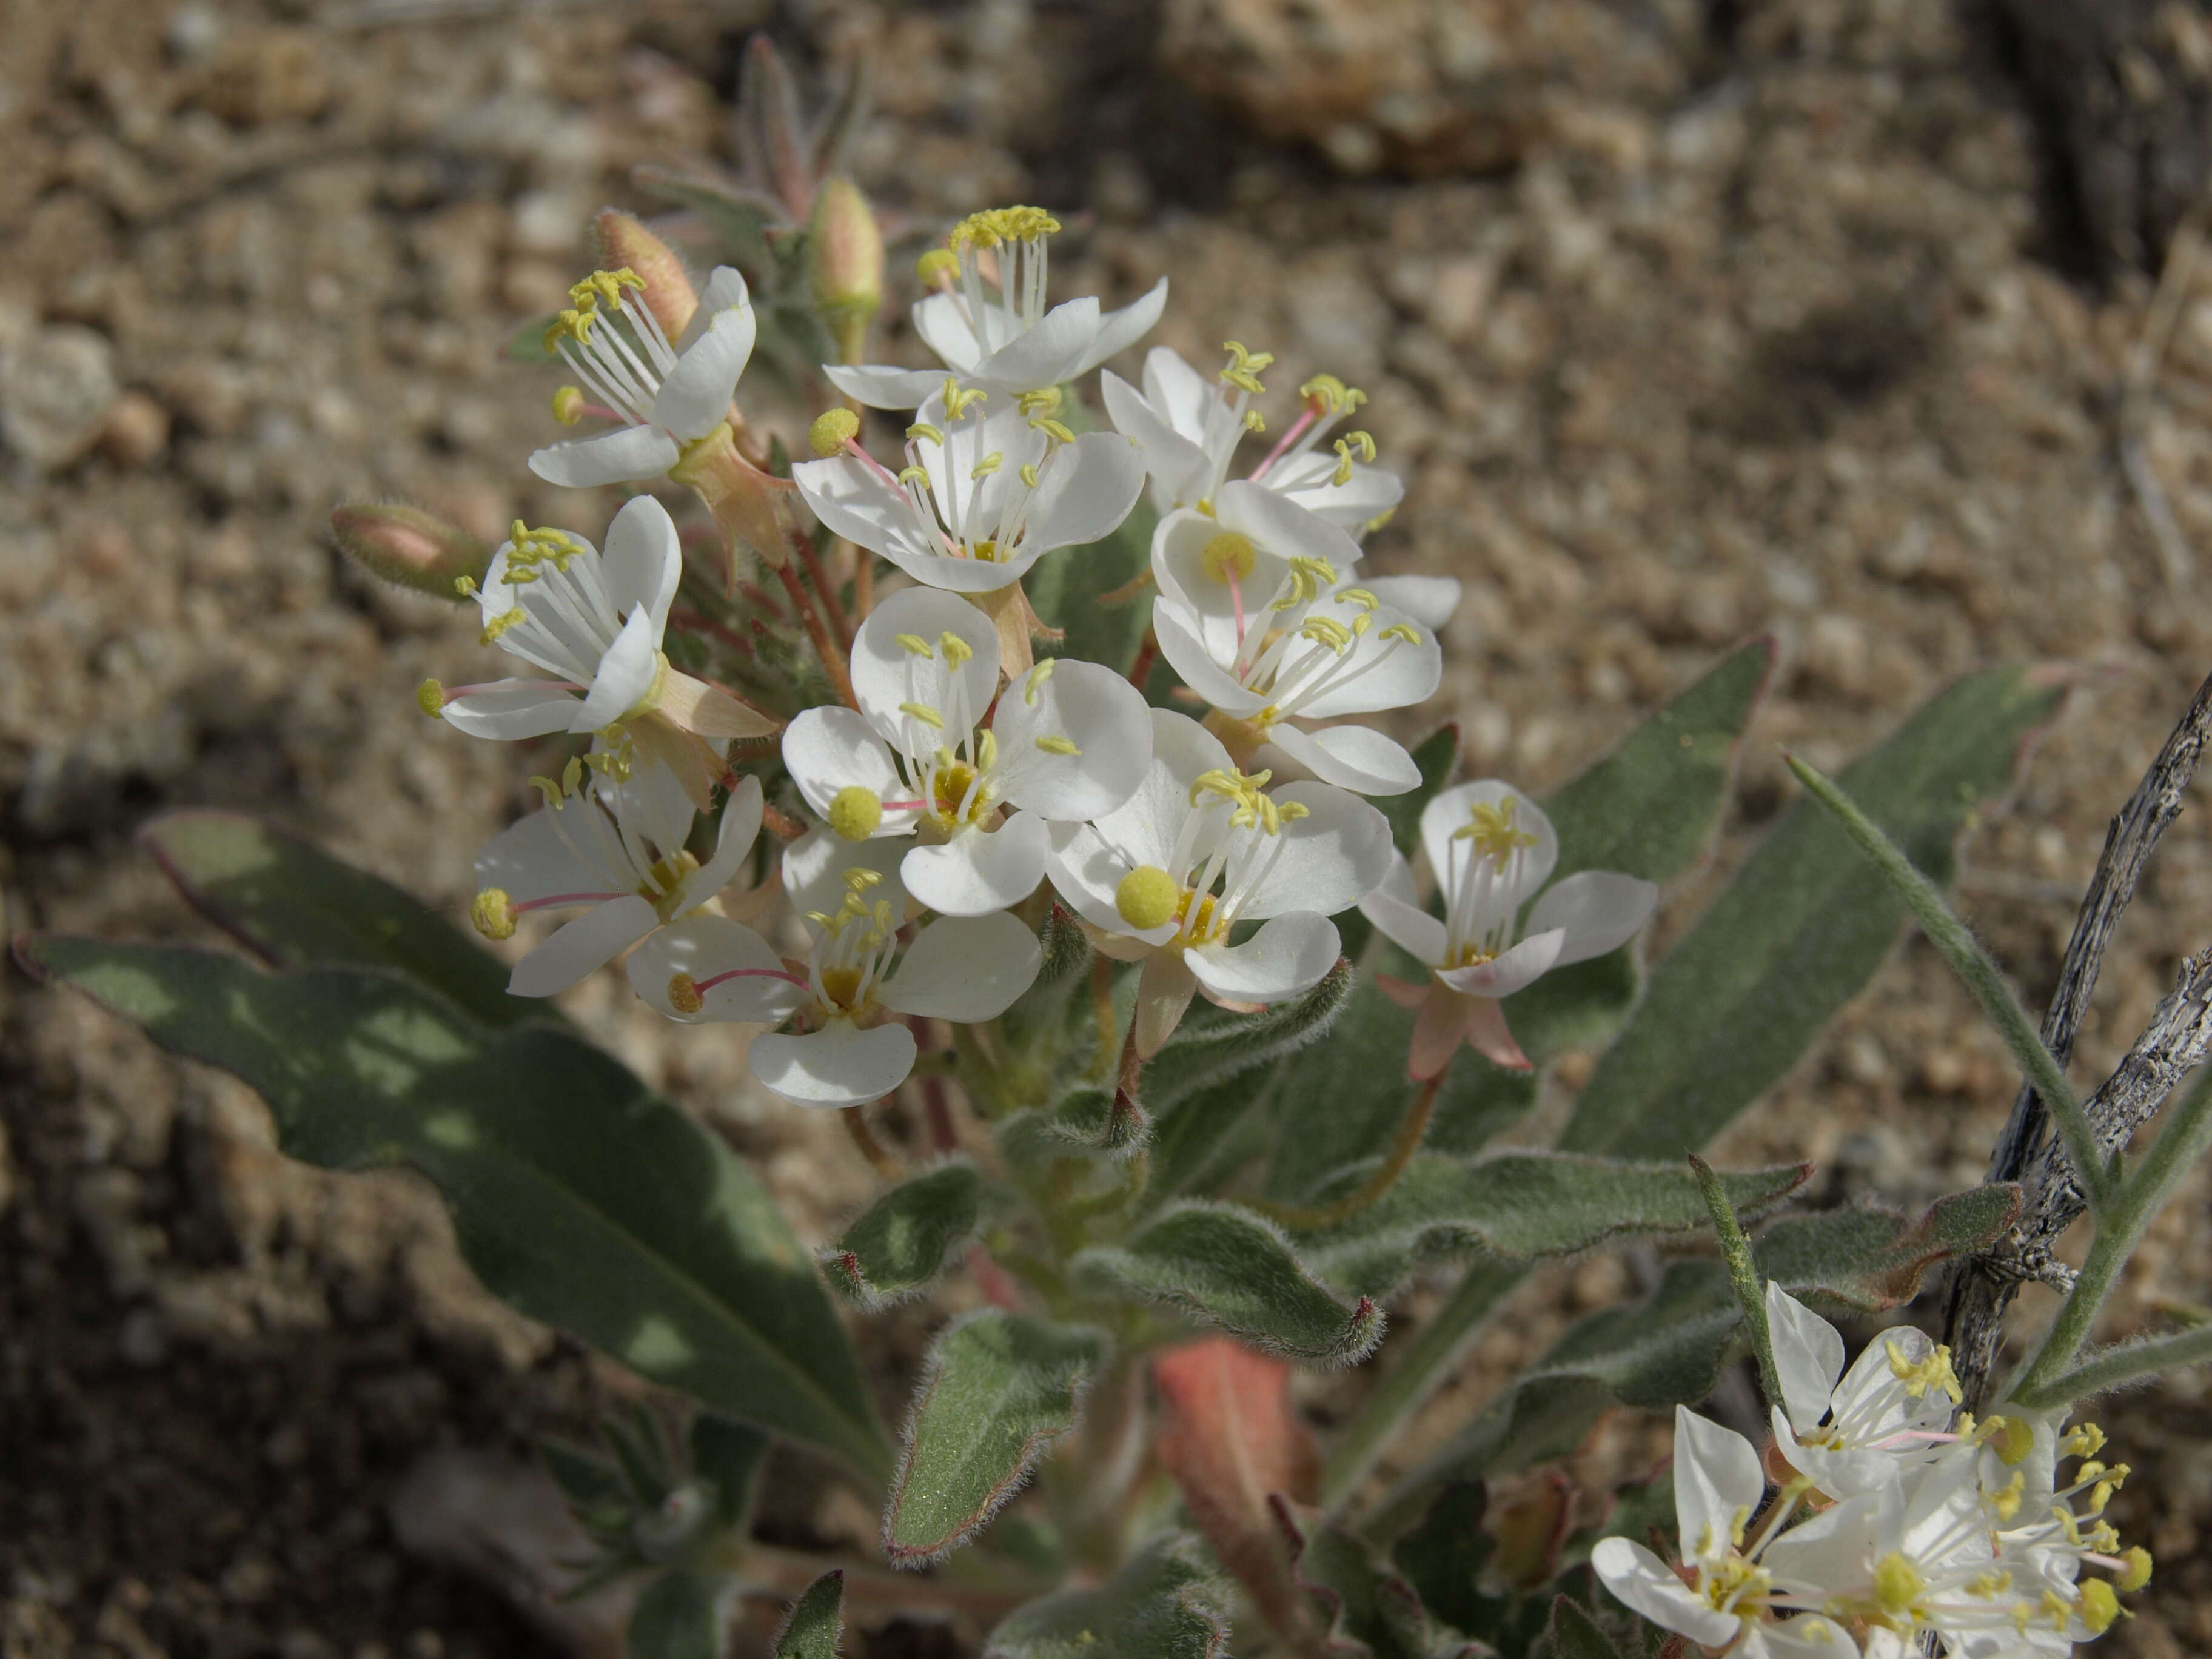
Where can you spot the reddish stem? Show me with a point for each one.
(833, 659)
(1147, 654)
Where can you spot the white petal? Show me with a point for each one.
(941, 320)
(1646, 1584)
(1329, 860)
(591, 941)
(1086, 493)
(1718, 1484)
(651, 803)
(1354, 757)
(830, 749)
(1809, 1354)
(1046, 354)
(643, 561)
(1382, 673)
(886, 674)
(532, 860)
(979, 870)
(733, 841)
(695, 396)
(1120, 329)
(1287, 957)
(1143, 829)
(814, 869)
(1394, 908)
(952, 575)
(879, 385)
(1808, 1636)
(851, 497)
(1283, 527)
(1448, 814)
(726, 287)
(1428, 600)
(1311, 481)
(1179, 391)
(838, 1065)
(1834, 1548)
(1208, 605)
(629, 454)
(1177, 464)
(1511, 970)
(1600, 910)
(510, 709)
(1176, 629)
(706, 947)
(1844, 1473)
(626, 674)
(1098, 711)
(964, 967)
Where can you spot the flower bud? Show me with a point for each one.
(623, 241)
(847, 251)
(410, 548)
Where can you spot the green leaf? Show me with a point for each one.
(1575, 1635)
(1367, 1610)
(816, 1620)
(1211, 1043)
(726, 1455)
(1869, 1258)
(998, 1390)
(578, 1196)
(908, 1238)
(1438, 757)
(680, 1615)
(1166, 1603)
(294, 906)
(1212, 1134)
(1228, 1267)
(1517, 1204)
(1800, 930)
(1065, 590)
(1040, 1014)
(739, 218)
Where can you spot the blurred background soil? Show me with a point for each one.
(1683, 320)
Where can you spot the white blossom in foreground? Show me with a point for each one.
(1068, 741)
(1851, 1433)
(615, 845)
(851, 996)
(991, 328)
(1198, 849)
(1491, 849)
(1190, 430)
(591, 624)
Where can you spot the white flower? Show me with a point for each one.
(1266, 626)
(986, 492)
(855, 984)
(667, 395)
(994, 332)
(1190, 430)
(616, 845)
(1893, 1408)
(1069, 741)
(1491, 849)
(1199, 847)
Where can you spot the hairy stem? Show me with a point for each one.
(856, 1124)
(1743, 1275)
(833, 659)
(1412, 1129)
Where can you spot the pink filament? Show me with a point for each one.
(705, 985)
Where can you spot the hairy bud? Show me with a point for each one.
(410, 548)
(847, 251)
(623, 241)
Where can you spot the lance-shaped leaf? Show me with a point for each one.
(681, 1615)
(1092, 1121)
(1211, 1043)
(998, 1390)
(1166, 1603)
(908, 1238)
(1228, 1267)
(1801, 929)
(1519, 1204)
(294, 906)
(816, 1621)
(578, 1196)
(1870, 1258)
(1367, 1608)
(1231, 1439)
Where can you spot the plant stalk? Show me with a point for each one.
(833, 659)
(1743, 1275)
(1412, 1129)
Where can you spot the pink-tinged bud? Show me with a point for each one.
(623, 241)
(410, 548)
(846, 248)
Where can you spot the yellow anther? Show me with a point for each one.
(1989, 1585)
(958, 402)
(1330, 396)
(1490, 826)
(1289, 811)
(996, 226)
(1359, 596)
(860, 878)
(1029, 474)
(568, 405)
(569, 325)
(493, 913)
(1920, 1376)
(832, 430)
(684, 994)
(1308, 576)
(1345, 446)
(2005, 1501)
(499, 625)
(2101, 1493)
(984, 468)
(1326, 631)
(1045, 400)
(915, 475)
(916, 644)
(1381, 519)
(466, 586)
(548, 789)
(1059, 431)
(2083, 1440)
(430, 698)
(937, 269)
(921, 429)
(1244, 366)
(2136, 1573)
(1403, 631)
(2100, 1606)
(1364, 621)
(1227, 554)
(986, 752)
(1033, 682)
(1058, 746)
(957, 650)
(922, 712)
(606, 288)
(2010, 1439)
(572, 776)
(1147, 897)
(1255, 421)
(855, 812)
(1897, 1583)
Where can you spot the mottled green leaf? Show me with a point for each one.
(998, 1390)
(908, 1238)
(1166, 1603)
(680, 1615)
(1800, 930)
(1228, 1267)
(816, 1621)
(578, 1196)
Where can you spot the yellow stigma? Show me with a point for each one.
(832, 430)
(1491, 827)
(2010, 1439)
(684, 994)
(856, 812)
(2137, 1572)
(2100, 1606)
(997, 226)
(1146, 897)
(1058, 745)
(1227, 554)
(937, 269)
(568, 405)
(493, 913)
(430, 698)
(1897, 1583)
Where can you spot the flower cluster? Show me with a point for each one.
(962, 774)
(1890, 1522)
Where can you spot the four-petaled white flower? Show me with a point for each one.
(858, 980)
(1851, 1436)
(616, 844)
(1491, 849)
(992, 330)
(1197, 849)
(986, 492)
(1067, 741)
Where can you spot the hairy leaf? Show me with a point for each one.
(908, 1238)
(1869, 1258)
(1228, 1267)
(998, 1389)
(737, 218)
(1800, 930)
(680, 1615)
(1166, 1603)
(1211, 1043)
(817, 1620)
(1367, 1610)
(1519, 1204)
(1040, 1017)
(580, 1197)
(1575, 1635)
